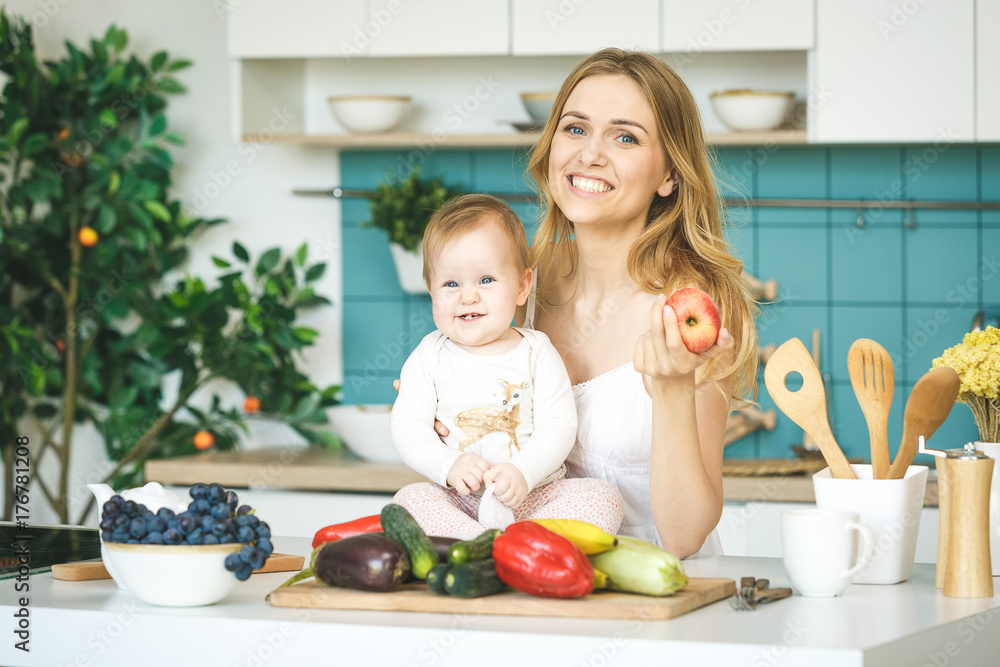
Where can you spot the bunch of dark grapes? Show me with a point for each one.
(211, 518)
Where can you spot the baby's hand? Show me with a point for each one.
(511, 487)
(466, 474)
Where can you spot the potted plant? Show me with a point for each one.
(92, 317)
(402, 207)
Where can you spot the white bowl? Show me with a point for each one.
(170, 575)
(538, 105)
(751, 110)
(369, 113)
(365, 431)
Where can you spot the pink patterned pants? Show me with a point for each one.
(444, 512)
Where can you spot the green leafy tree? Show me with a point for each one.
(89, 322)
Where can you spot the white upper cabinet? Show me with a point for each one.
(298, 28)
(579, 27)
(890, 71)
(987, 70)
(442, 28)
(737, 25)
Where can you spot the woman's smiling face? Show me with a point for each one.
(606, 160)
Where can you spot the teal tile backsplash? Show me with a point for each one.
(913, 290)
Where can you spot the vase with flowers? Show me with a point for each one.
(977, 361)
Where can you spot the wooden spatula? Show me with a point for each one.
(807, 406)
(873, 379)
(928, 406)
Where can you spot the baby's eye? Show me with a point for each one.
(485, 280)
(451, 283)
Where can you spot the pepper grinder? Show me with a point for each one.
(964, 478)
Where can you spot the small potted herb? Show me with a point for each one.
(402, 207)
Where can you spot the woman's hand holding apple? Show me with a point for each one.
(684, 333)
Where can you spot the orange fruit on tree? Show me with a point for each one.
(87, 237)
(203, 440)
(63, 134)
(251, 405)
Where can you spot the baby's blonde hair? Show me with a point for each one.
(467, 213)
(682, 243)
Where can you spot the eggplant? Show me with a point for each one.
(367, 562)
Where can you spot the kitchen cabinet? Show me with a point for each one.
(888, 71)
(578, 27)
(363, 28)
(441, 28)
(987, 67)
(297, 28)
(736, 25)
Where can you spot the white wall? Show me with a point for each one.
(257, 201)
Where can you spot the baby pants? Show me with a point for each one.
(443, 512)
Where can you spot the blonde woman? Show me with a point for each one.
(630, 213)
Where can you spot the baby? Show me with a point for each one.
(502, 392)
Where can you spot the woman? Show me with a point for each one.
(630, 214)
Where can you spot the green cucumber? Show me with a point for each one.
(473, 580)
(478, 548)
(435, 578)
(398, 524)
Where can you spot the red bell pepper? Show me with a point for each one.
(338, 531)
(534, 560)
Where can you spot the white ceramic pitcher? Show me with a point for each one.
(152, 495)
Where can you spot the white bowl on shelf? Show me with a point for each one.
(538, 105)
(365, 431)
(369, 113)
(174, 575)
(752, 110)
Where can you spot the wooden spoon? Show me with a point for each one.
(807, 406)
(873, 379)
(928, 406)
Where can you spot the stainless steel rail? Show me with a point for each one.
(861, 205)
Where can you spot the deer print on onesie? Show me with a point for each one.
(480, 422)
(515, 407)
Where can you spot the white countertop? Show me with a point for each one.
(93, 623)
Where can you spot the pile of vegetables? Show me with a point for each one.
(558, 558)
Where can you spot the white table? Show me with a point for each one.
(93, 623)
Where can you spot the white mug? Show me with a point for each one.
(820, 550)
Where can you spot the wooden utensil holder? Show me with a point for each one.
(965, 523)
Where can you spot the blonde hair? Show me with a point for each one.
(467, 213)
(682, 243)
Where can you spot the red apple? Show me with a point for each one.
(698, 318)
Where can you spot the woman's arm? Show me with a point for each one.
(689, 423)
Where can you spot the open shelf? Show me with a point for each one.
(396, 140)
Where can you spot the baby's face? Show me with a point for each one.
(476, 286)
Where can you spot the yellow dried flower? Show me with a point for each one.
(977, 361)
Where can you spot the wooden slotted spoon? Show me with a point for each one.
(807, 406)
(873, 379)
(928, 406)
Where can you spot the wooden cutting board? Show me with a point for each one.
(417, 597)
(91, 570)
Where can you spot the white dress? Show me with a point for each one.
(614, 433)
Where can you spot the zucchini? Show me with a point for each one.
(473, 580)
(398, 524)
(478, 548)
(636, 566)
(435, 578)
